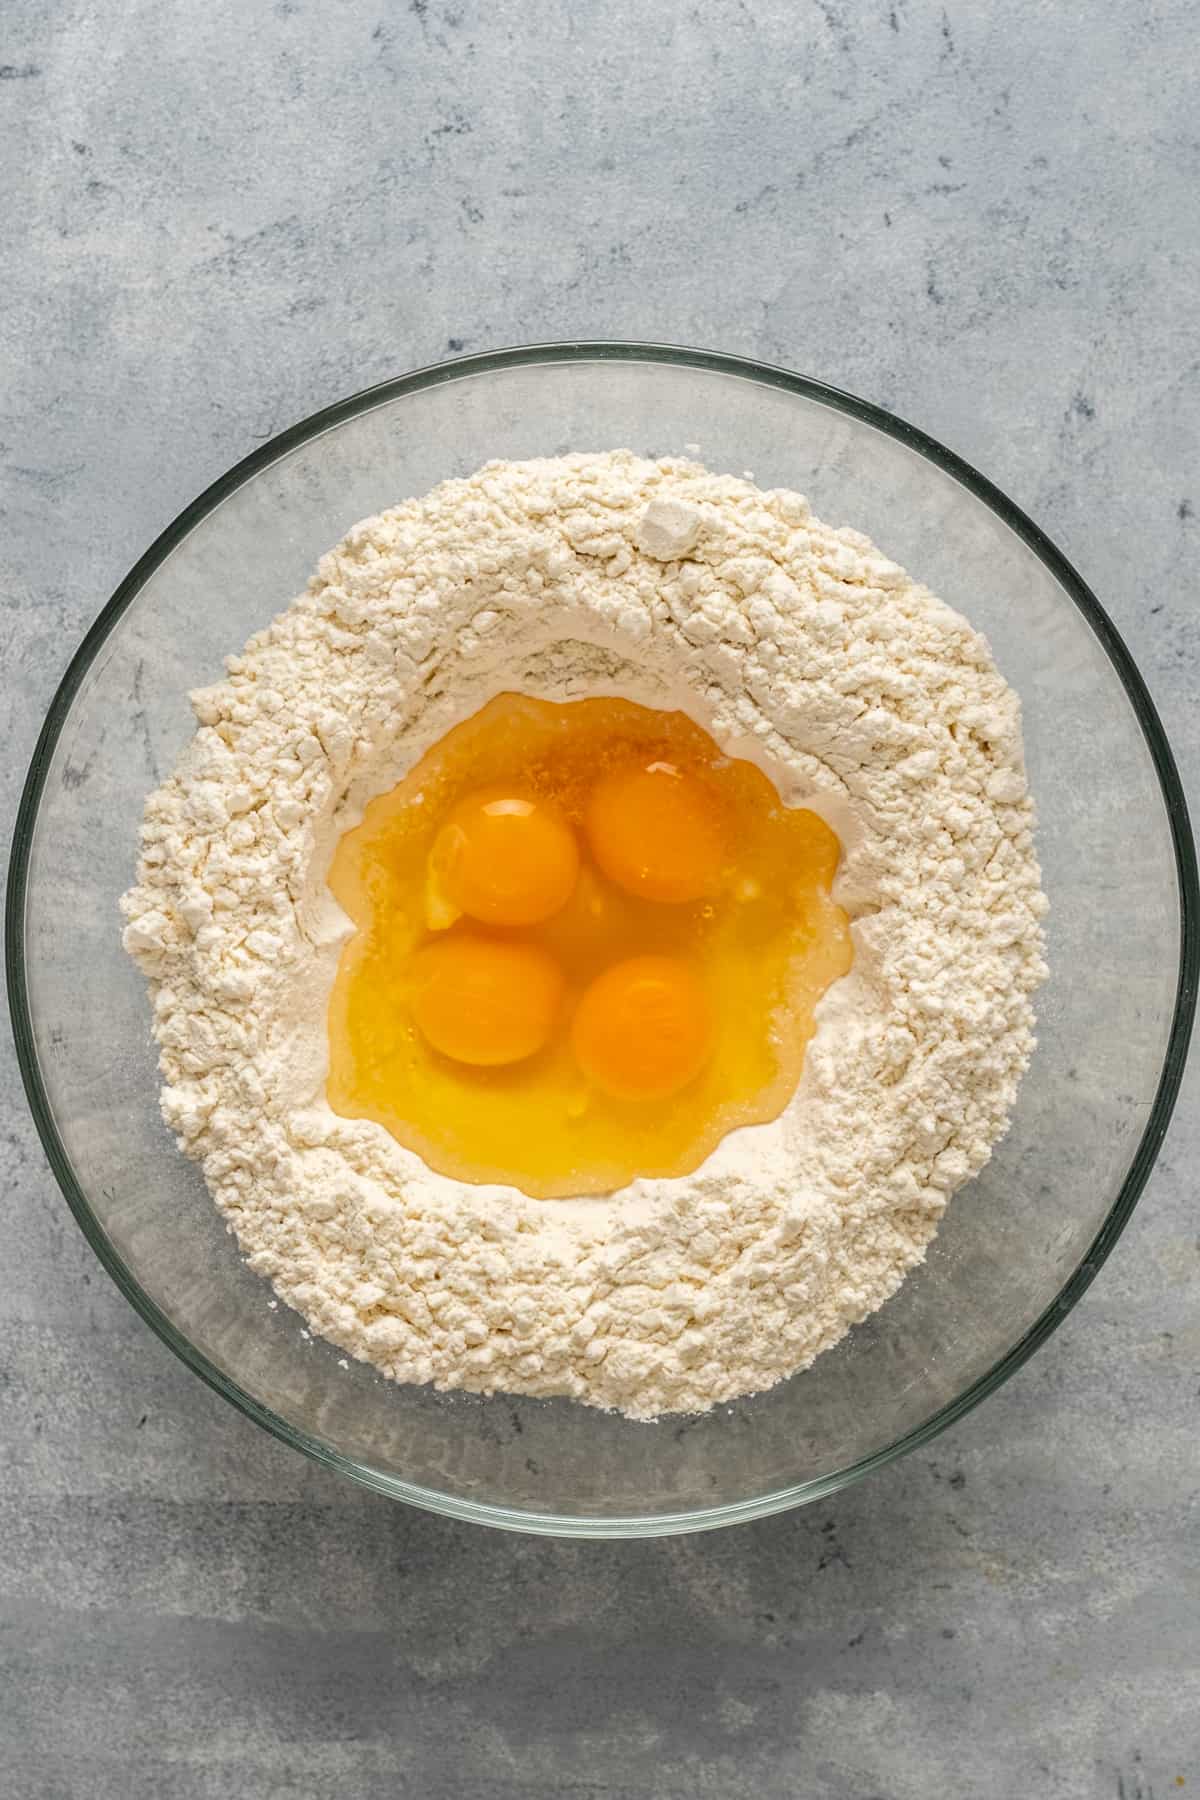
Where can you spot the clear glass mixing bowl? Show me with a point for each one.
(1018, 1246)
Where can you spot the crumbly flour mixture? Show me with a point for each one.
(794, 644)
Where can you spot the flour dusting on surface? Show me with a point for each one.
(794, 644)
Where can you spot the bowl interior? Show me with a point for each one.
(1013, 1242)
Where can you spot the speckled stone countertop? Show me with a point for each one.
(218, 218)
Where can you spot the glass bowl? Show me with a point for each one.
(1017, 1247)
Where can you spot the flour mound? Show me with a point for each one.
(798, 646)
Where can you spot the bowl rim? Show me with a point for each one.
(1174, 1058)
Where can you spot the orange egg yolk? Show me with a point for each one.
(643, 1029)
(485, 1002)
(586, 945)
(656, 831)
(502, 857)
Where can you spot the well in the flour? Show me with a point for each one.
(587, 946)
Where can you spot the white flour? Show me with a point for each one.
(794, 644)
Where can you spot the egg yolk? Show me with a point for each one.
(502, 857)
(485, 1002)
(643, 1029)
(586, 945)
(656, 832)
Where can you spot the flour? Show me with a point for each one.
(796, 645)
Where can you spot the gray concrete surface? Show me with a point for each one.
(217, 218)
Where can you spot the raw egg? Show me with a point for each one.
(655, 830)
(643, 1029)
(586, 945)
(503, 857)
(485, 1002)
